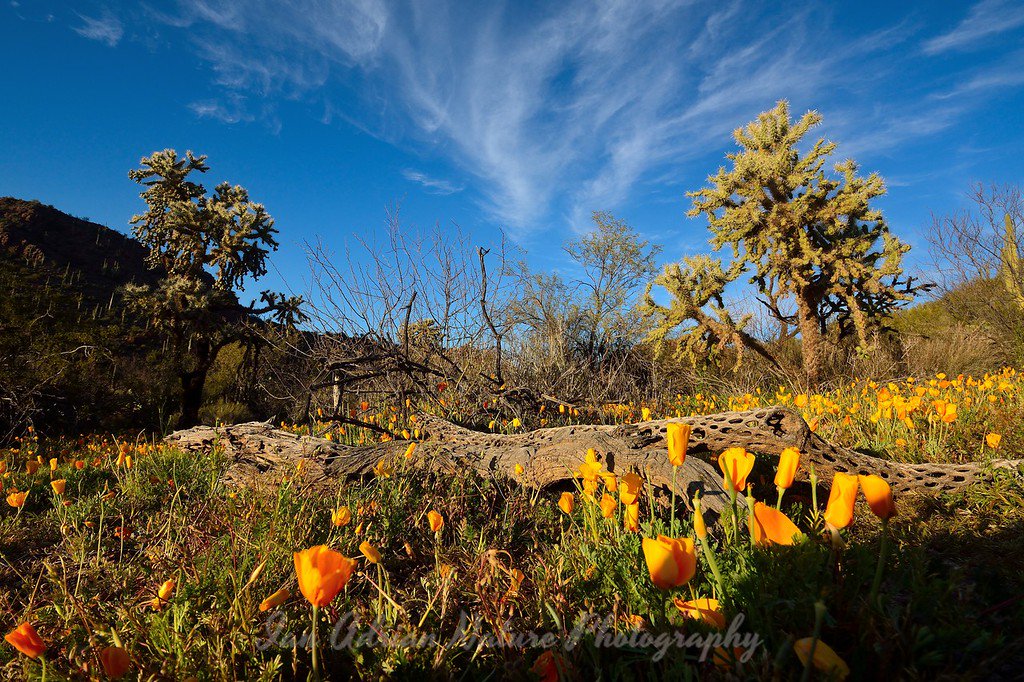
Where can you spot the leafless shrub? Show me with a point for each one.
(414, 316)
(966, 248)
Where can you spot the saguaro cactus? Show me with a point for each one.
(1011, 273)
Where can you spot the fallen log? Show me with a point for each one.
(549, 456)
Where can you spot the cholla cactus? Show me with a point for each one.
(809, 240)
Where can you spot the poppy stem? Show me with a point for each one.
(819, 618)
(316, 659)
(672, 518)
(709, 554)
(750, 515)
(99, 533)
(731, 526)
(814, 494)
(883, 551)
(778, 503)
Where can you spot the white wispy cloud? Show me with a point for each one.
(106, 28)
(431, 185)
(553, 112)
(1005, 75)
(985, 19)
(223, 111)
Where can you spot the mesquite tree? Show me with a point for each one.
(206, 246)
(816, 251)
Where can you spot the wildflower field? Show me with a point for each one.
(123, 558)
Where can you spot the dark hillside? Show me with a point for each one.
(92, 257)
(70, 354)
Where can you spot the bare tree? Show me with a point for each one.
(969, 249)
(421, 316)
(968, 244)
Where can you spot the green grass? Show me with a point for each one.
(950, 603)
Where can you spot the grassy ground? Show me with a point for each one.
(85, 567)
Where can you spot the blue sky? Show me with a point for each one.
(517, 116)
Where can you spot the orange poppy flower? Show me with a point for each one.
(670, 561)
(275, 600)
(702, 609)
(608, 505)
(736, 464)
(25, 639)
(435, 520)
(548, 666)
(789, 460)
(700, 529)
(341, 516)
(630, 486)
(631, 519)
(841, 500)
(677, 436)
(370, 552)
(825, 658)
(116, 662)
(769, 526)
(879, 496)
(163, 594)
(322, 573)
(566, 503)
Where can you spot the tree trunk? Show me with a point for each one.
(260, 455)
(192, 385)
(811, 340)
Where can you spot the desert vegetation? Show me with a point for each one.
(800, 461)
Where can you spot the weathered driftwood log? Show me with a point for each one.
(551, 455)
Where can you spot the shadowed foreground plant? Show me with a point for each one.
(814, 653)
